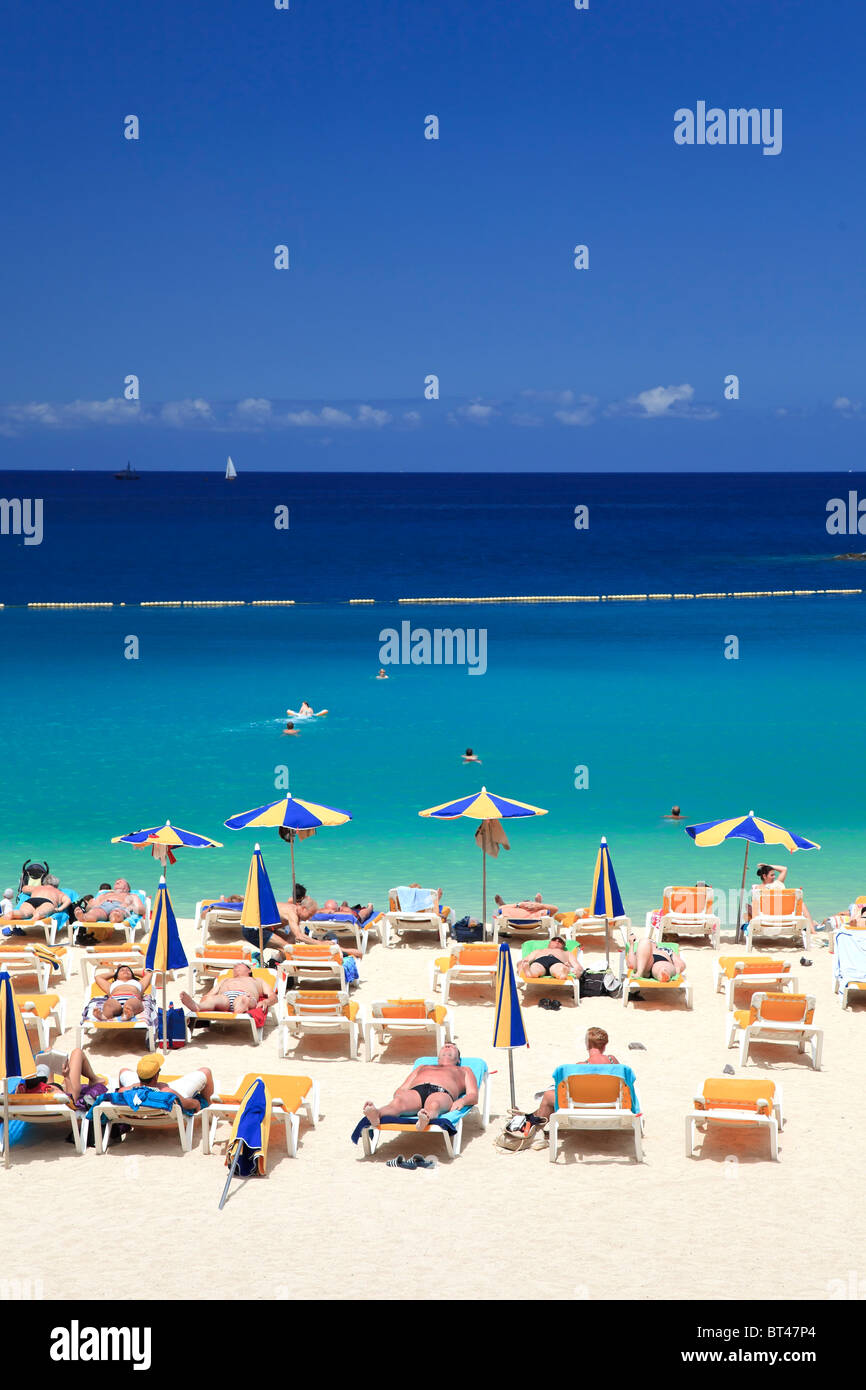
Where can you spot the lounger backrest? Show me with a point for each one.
(593, 1089)
(476, 953)
(690, 901)
(319, 1003)
(45, 1098)
(409, 1009)
(731, 1093)
(777, 902)
(783, 1008)
(98, 991)
(761, 965)
(313, 950)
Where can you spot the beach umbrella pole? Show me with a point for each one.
(235, 1161)
(7, 1143)
(483, 892)
(292, 848)
(511, 1077)
(165, 1010)
(742, 894)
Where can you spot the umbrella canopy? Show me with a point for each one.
(163, 839)
(247, 1151)
(16, 1054)
(164, 950)
(606, 898)
(291, 814)
(755, 830)
(484, 806)
(260, 906)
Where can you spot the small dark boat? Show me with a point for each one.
(129, 474)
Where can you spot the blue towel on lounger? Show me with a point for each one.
(418, 899)
(137, 1097)
(400, 1120)
(850, 959)
(586, 1069)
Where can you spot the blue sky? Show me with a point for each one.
(410, 256)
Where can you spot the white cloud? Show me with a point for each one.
(179, 414)
(368, 415)
(526, 420)
(582, 413)
(114, 411)
(254, 410)
(665, 402)
(476, 413)
(847, 407)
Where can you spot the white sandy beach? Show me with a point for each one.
(597, 1225)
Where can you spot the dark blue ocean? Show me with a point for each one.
(387, 536)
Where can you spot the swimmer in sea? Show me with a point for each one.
(305, 712)
(470, 757)
(290, 729)
(382, 674)
(675, 814)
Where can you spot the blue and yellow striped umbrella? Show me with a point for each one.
(755, 830)
(606, 898)
(165, 838)
(164, 950)
(247, 1151)
(16, 1054)
(289, 814)
(484, 805)
(260, 906)
(508, 1029)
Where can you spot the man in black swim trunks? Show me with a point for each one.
(430, 1090)
(552, 960)
(45, 898)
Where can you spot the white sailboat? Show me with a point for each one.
(231, 471)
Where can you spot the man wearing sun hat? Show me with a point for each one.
(190, 1089)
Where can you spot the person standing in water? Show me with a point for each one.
(470, 757)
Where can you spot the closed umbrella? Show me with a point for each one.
(260, 906)
(247, 1151)
(508, 1027)
(606, 899)
(164, 950)
(16, 1054)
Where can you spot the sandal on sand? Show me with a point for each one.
(401, 1162)
(804, 961)
(547, 1003)
(421, 1162)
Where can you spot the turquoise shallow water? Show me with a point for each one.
(640, 694)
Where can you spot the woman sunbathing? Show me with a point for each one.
(124, 991)
(654, 962)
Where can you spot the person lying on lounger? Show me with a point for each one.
(652, 961)
(530, 909)
(44, 902)
(124, 990)
(295, 917)
(188, 1088)
(233, 996)
(80, 1081)
(552, 960)
(596, 1055)
(431, 1090)
(114, 905)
